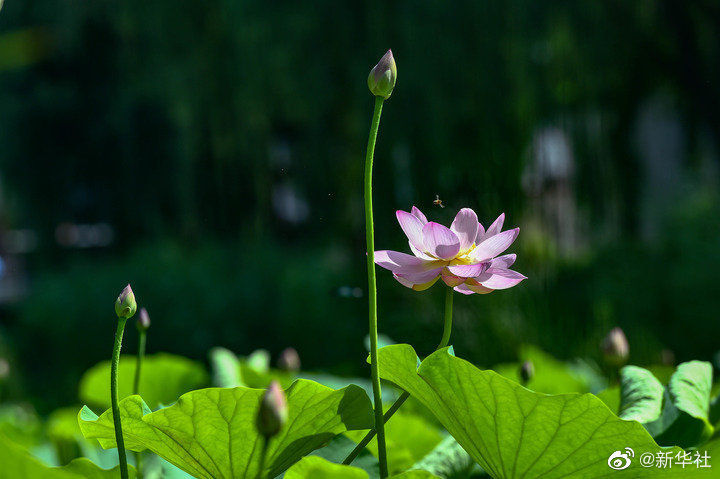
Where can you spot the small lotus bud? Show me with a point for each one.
(527, 371)
(289, 360)
(125, 306)
(273, 411)
(615, 347)
(383, 76)
(143, 322)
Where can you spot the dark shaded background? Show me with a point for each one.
(211, 152)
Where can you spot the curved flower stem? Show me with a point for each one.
(447, 329)
(447, 326)
(142, 338)
(114, 397)
(372, 288)
(263, 456)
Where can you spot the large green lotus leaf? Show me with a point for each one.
(513, 432)
(641, 395)
(210, 433)
(402, 452)
(712, 450)
(164, 377)
(685, 419)
(17, 463)
(313, 467)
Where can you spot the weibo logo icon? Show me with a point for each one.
(620, 460)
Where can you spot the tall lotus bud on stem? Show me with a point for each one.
(143, 322)
(527, 371)
(273, 412)
(383, 76)
(125, 305)
(289, 360)
(615, 348)
(381, 82)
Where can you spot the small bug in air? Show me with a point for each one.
(438, 202)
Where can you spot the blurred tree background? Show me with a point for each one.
(211, 152)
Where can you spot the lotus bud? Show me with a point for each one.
(143, 322)
(615, 347)
(125, 305)
(527, 371)
(383, 76)
(273, 412)
(289, 360)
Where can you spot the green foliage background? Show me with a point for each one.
(164, 119)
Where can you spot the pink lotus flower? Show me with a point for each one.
(465, 255)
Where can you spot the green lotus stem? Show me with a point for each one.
(142, 338)
(138, 465)
(122, 458)
(447, 329)
(447, 326)
(263, 456)
(372, 288)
